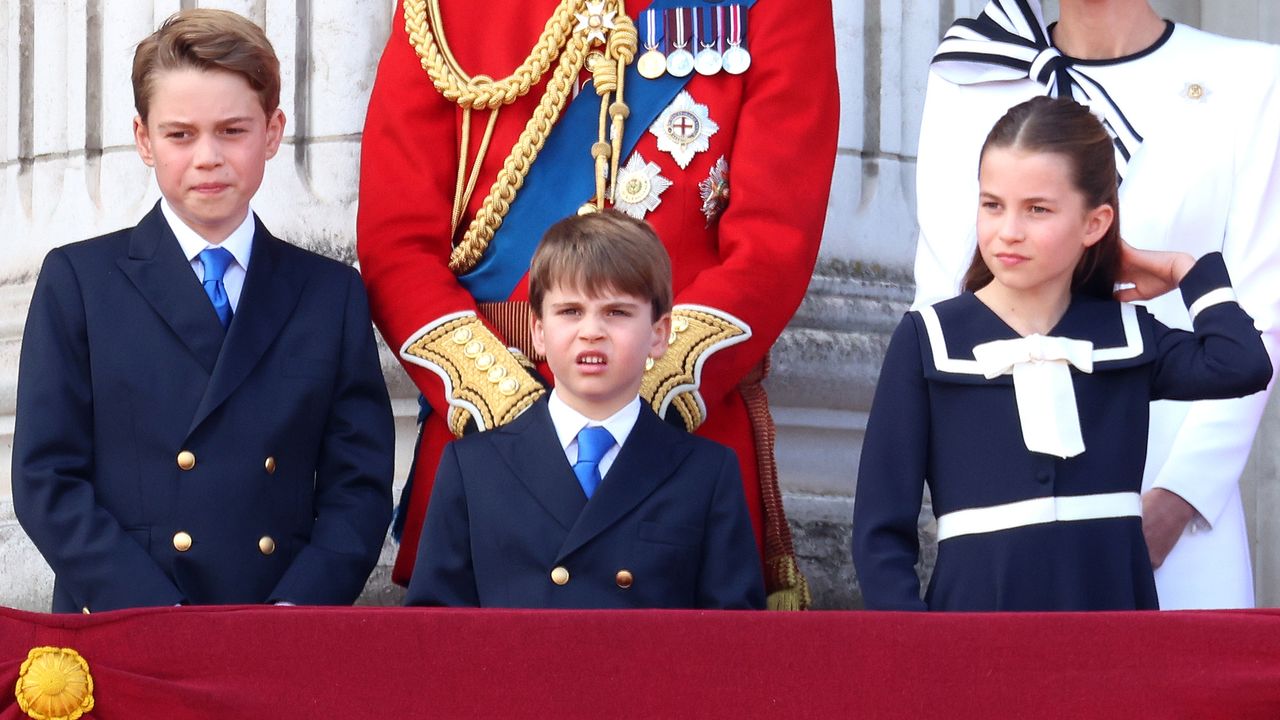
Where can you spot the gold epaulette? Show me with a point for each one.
(697, 332)
(484, 380)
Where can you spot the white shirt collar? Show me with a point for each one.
(569, 422)
(239, 243)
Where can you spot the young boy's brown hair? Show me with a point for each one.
(206, 39)
(600, 251)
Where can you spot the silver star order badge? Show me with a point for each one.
(639, 187)
(684, 129)
(715, 191)
(595, 21)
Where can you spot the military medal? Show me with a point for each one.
(639, 187)
(684, 129)
(652, 64)
(679, 60)
(736, 57)
(595, 21)
(714, 191)
(706, 29)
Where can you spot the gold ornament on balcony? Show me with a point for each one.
(54, 684)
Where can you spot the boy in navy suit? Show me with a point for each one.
(201, 414)
(588, 499)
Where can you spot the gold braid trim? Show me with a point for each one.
(481, 91)
(559, 37)
(484, 380)
(673, 379)
(609, 78)
(516, 167)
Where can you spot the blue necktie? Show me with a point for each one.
(593, 443)
(215, 261)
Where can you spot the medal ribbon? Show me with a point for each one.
(720, 29)
(680, 40)
(737, 25)
(653, 30)
(707, 36)
(1009, 41)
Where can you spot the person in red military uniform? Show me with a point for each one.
(714, 122)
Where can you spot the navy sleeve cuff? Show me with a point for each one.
(1207, 284)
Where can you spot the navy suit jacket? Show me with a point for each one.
(667, 528)
(124, 366)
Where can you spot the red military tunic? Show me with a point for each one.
(777, 133)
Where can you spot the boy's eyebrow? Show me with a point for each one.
(624, 303)
(186, 123)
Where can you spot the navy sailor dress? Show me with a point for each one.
(1024, 530)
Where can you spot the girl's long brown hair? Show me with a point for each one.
(1066, 128)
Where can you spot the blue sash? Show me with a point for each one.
(562, 177)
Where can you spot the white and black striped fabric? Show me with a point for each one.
(1009, 41)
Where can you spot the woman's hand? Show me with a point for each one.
(1145, 274)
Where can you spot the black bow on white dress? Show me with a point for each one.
(1009, 41)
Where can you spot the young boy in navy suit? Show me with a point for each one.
(201, 414)
(588, 499)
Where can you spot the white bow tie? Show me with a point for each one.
(1041, 369)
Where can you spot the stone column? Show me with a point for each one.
(826, 363)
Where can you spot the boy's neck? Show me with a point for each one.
(1106, 29)
(593, 411)
(213, 238)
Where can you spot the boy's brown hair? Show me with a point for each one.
(207, 39)
(600, 252)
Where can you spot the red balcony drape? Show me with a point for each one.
(252, 662)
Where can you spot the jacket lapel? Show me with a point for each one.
(271, 291)
(531, 450)
(158, 269)
(650, 456)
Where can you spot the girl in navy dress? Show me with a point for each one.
(1023, 402)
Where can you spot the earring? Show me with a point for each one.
(648, 364)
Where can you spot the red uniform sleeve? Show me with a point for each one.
(780, 167)
(407, 167)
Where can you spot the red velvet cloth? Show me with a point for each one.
(238, 662)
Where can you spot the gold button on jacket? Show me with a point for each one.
(267, 545)
(186, 459)
(560, 576)
(181, 541)
(624, 579)
(270, 465)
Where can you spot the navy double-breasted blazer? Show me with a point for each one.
(160, 460)
(509, 526)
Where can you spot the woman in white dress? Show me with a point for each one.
(1196, 119)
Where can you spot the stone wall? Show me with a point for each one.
(68, 170)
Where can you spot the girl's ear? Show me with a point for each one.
(1096, 224)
